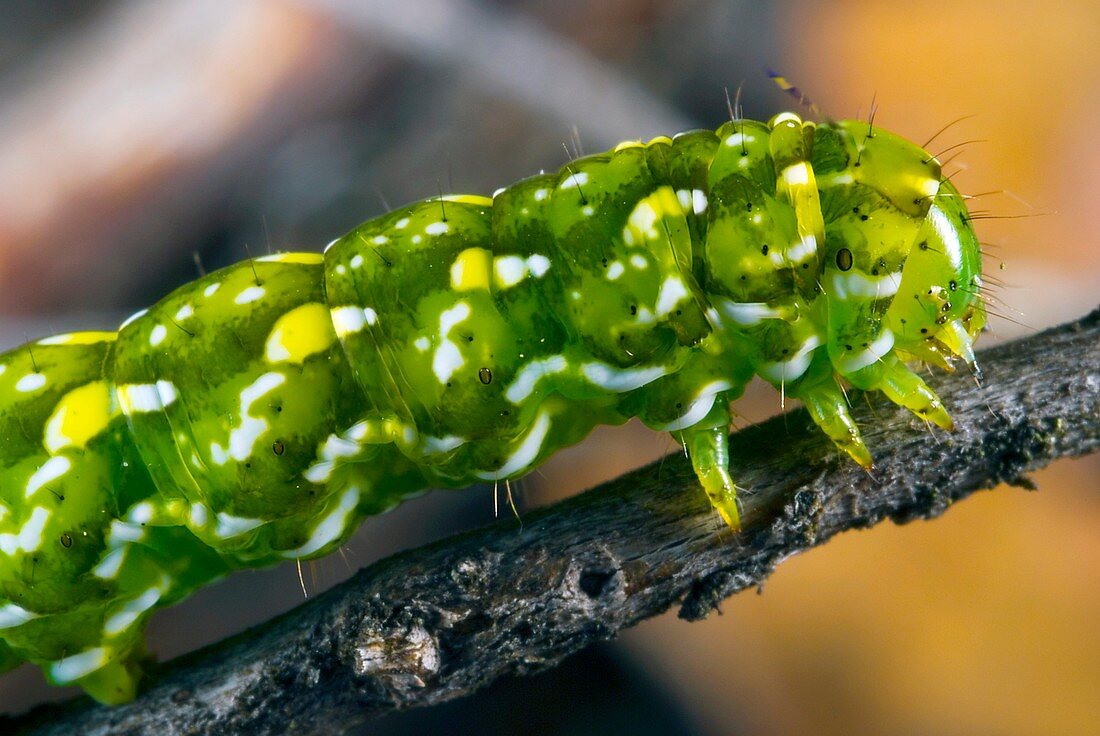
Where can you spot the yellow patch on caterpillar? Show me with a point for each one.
(474, 199)
(300, 333)
(79, 338)
(80, 415)
(471, 270)
(309, 259)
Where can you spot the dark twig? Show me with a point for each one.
(441, 621)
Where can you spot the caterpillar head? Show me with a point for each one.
(900, 248)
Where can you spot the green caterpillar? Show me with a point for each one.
(259, 413)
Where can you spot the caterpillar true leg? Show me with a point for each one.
(707, 445)
(828, 407)
(906, 388)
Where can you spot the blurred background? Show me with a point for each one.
(137, 137)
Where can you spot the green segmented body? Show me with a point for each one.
(260, 412)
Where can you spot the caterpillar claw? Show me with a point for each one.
(862, 456)
(906, 388)
(708, 449)
(954, 336)
(976, 371)
(721, 491)
(829, 409)
(730, 514)
(942, 419)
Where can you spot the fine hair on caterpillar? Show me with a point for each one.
(260, 412)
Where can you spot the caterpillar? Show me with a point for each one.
(259, 413)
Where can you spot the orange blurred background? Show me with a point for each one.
(134, 135)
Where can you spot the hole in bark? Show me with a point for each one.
(594, 582)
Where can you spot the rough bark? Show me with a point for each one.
(444, 620)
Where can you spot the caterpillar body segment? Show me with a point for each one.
(260, 412)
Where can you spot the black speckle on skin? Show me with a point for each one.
(844, 260)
